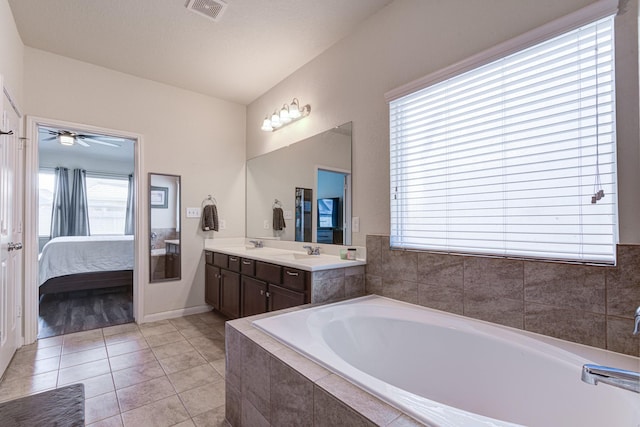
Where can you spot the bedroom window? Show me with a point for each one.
(45, 202)
(106, 200)
(512, 158)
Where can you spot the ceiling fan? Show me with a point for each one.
(69, 138)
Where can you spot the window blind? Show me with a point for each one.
(505, 159)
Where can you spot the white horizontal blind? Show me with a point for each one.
(504, 159)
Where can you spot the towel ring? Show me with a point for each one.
(209, 201)
(276, 204)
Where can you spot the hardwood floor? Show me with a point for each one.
(67, 312)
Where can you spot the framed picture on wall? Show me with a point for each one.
(158, 197)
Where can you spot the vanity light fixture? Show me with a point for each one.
(66, 139)
(289, 113)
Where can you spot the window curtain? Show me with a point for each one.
(129, 220)
(60, 213)
(79, 215)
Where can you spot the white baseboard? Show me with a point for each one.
(175, 313)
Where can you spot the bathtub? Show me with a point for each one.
(448, 370)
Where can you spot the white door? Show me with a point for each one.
(11, 163)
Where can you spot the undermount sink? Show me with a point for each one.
(295, 255)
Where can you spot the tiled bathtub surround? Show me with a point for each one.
(268, 384)
(337, 284)
(592, 305)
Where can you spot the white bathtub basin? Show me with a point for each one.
(447, 370)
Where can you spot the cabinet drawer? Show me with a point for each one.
(208, 257)
(280, 298)
(293, 278)
(269, 272)
(220, 260)
(248, 267)
(234, 263)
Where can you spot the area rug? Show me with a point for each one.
(62, 407)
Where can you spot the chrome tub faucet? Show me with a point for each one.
(312, 250)
(627, 380)
(257, 243)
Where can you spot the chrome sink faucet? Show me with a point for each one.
(312, 250)
(257, 243)
(627, 380)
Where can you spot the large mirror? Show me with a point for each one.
(164, 227)
(306, 181)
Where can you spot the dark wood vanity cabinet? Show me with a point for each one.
(254, 296)
(238, 286)
(229, 293)
(222, 286)
(212, 286)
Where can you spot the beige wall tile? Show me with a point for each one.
(402, 290)
(330, 412)
(568, 324)
(441, 297)
(256, 386)
(623, 282)
(291, 396)
(620, 338)
(493, 278)
(503, 311)
(565, 285)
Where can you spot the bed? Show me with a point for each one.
(85, 262)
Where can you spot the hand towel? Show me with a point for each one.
(278, 219)
(210, 218)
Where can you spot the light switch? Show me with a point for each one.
(223, 224)
(193, 212)
(288, 214)
(266, 225)
(355, 224)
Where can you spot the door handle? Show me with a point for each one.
(14, 246)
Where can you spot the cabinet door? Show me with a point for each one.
(254, 296)
(212, 286)
(230, 294)
(280, 298)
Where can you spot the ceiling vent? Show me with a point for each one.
(212, 9)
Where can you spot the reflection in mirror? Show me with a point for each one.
(304, 222)
(278, 175)
(164, 227)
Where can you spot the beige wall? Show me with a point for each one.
(410, 39)
(200, 138)
(11, 51)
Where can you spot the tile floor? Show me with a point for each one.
(164, 373)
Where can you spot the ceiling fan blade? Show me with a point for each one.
(50, 138)
(102, 137)
(96, 141)
(81, 142)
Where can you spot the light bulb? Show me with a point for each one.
(284, 115)
(294, 109)
(266, 125)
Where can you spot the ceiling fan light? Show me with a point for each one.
(66, 139)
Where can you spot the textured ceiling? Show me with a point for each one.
(252, 47)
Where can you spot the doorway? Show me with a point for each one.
(333, 206)
(79, 282)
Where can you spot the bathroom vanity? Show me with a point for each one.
(242, 281)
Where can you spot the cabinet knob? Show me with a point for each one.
(268, 294)
(261, 292)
